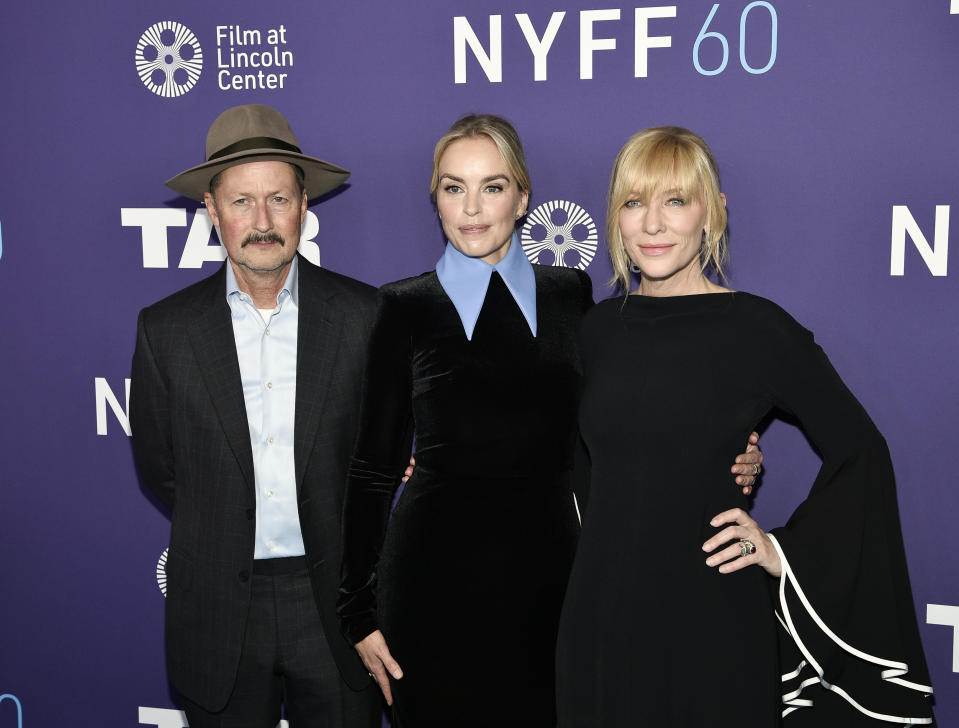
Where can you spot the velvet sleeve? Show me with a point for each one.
(581, 460)
(381, 454)
(844, 598)
(585, 290)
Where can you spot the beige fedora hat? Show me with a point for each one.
(255, 132)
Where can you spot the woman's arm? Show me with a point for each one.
(380, 456)
(844, 596)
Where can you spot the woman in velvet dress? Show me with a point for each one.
(669, 619)
(462, 598)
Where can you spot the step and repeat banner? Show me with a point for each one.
(834, 124)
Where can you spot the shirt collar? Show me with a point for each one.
(291, 286)
(466, 281)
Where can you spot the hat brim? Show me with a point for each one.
(319, 176)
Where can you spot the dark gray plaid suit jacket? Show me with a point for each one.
(192, 448)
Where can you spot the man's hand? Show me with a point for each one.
(748, 465)
(378, 660)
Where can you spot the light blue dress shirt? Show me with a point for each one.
(267, 354)
(466, 281)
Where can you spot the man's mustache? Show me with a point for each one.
(262, 238)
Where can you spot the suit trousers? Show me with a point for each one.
(286, 661)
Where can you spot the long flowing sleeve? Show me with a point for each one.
(379, 459)
(844, 598)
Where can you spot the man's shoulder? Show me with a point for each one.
(187, 300)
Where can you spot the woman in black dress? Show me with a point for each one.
(479, 356)
(671, 611)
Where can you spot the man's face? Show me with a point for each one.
(259, 210)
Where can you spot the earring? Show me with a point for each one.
(633, 268)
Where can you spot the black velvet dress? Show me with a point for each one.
(650, 635)
(467, 585)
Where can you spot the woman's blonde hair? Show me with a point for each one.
(497, 130)
(657, 159)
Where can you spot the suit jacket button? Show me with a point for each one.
(249, 514)
(244, 575)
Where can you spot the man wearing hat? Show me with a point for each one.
(244, 398)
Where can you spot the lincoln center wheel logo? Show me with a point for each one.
(161, 572)
(169, 59)
(559, 233)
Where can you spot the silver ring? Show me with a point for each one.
(746, 547)
(756, 469)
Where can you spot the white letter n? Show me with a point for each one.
(106, 396)
(936, 257)
(491, 64)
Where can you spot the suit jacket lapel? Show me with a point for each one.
(316, 347)
(211, 336)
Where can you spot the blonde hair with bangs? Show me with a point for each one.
(666, 158)
(497, 130)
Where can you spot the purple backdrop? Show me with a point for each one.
(833, 124)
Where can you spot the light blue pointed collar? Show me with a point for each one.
(466, 281)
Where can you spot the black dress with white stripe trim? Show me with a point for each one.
(650, 635)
